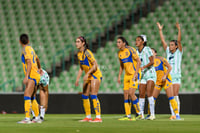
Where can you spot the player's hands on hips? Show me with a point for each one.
(135, 77)
(85, 77)
(160, 27)
(119, 80)
(25, 81)
(164, 78)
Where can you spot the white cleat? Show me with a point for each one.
(152, 117)
(37, 120)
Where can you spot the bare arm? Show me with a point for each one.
(29, 65)
(138, 65)
(160, 27)
(78, 76)
(151, 59)
(179, 36)
(94, 68)
(120, 72)
(169, 68)
(38, 62)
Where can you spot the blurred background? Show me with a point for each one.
(53, 26)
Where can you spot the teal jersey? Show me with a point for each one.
(175, 61)
(144, 57)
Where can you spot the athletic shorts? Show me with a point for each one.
(164, 85)
(44, 79)
(129, 83)
(91, 77)
(148, 75)
(176, 79)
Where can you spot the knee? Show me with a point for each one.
(142, 95)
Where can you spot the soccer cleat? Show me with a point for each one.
(37, 120)
(86, 120)
(139, 117)
(151, 117)
(172, 117)
(96, 120)
(127, 119)
(33, 118)
(178, 117)
(147, 117)
(25, 121)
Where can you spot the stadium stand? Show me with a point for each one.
(51, 26)
(54, 24)
(186, 12)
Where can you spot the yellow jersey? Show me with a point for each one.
(160, 66)
(85, 60)
(29, 53)
(128, 57)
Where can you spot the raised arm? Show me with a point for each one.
(160, 27)
(179, 36)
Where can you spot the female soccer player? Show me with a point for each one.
(164, 80)
(32, 77)
(174, 56)
(92, 79)
(148, 78)
(44, 93)
(130, 61)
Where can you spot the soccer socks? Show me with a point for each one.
(171, 109)
(151, 105)
(35, 106)
(96, 105)
(178, 102)
(136, 106)
(174, 105)
(127, 108)
(86, 105)
(130, 104)
(42, 111)
(27, 107)
(141, 103)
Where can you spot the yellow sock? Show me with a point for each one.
(130, 104)
(136, 106)
(27, 106)
(174, 105)
(86, 105)
(96, 105)
(127, 107)
(35, 107)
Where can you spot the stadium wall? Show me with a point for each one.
(110, 103)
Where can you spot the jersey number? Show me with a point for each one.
(33, 56)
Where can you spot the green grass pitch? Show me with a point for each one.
(68, 123)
